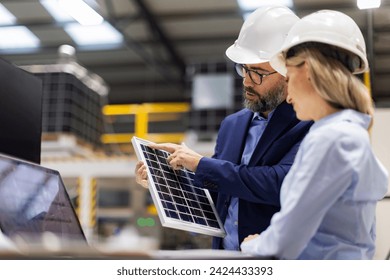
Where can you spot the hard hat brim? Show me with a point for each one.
(241, 55)
(278, 62)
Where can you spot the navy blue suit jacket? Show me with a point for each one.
(257, 185)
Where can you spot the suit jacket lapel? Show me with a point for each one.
(283, 116)
(239, 132)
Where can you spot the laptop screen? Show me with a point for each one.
(33, 200)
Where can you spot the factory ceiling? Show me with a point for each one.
(161, 38)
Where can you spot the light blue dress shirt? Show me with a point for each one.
(328, 198)
(256, 129)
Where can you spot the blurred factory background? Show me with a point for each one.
(155, 69)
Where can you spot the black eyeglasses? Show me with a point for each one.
(255, 76)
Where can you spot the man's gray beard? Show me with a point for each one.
(266, 102)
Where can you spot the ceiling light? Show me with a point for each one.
(81, 12)
(56, 11)
(6, 17)
(68, 10)
(103, 34)
(368, 4)
(17, 37)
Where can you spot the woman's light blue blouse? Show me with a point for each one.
(329, 196)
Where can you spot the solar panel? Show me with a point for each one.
(179, 203)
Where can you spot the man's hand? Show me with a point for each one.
(141, 175)
(250, 237)
(181, 156)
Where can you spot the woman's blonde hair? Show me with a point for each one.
(332, 79)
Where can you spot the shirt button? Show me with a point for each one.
(236, 223)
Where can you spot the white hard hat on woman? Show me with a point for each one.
(255, 43)
(331, 28)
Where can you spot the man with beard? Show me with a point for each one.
(256, 146)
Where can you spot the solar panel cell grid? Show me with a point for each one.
(179, 203)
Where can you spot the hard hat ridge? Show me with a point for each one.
(349, 60)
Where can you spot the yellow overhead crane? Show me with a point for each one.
(142, 114)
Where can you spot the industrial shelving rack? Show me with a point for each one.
(72, 102)
(206, 122)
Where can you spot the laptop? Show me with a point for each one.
(34, 203)
(37, 220)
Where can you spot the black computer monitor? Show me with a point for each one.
(20, 113)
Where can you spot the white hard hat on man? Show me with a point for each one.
(262, 34)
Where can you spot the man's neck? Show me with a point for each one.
(264, 114)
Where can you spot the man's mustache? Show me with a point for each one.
(251, 90)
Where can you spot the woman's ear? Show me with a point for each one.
(306, 70)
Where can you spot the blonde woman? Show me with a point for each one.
(329, 197)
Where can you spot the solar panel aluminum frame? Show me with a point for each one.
(165, 220)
